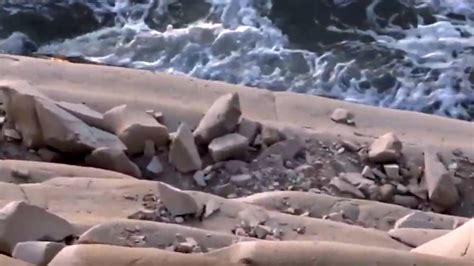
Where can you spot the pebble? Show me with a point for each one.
(341, 115)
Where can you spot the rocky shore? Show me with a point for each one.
(111, 166)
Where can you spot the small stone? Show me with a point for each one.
(241, 180)
(385, 149)
(234, 167)
(419, 191)
(346, 188)
(20, 222)
(114, 160)
(357, 180)
(155, 166)
(387, 192)
(261, 231)
(199, 178)
(212, 206)
(248, 129)
(306, 170)
(378, 173)
(48, 155)
(220, 119)
(351, 145)
(149, 150)
(270, 135)
(301, 230)
(12, 134)
(240, 232)
(402, 189)
(439, 181)
(228, 146)
(415, 219)
(287, 149)
(177, 202)
(183, 151)
(341, 115)
(36, 252)
(392, 171)
(367, 172)
(406, 201)
(85, 113)
(224, 190)
(252, 217)
(335, 216)
(179, 219)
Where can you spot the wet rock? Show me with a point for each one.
(387, 192)
(19, 99)
(228, 146)
(234, 167)
(385, 149)
(341, 115)
(48, 155)
(415, 219)
(85, 113)
(36, 252)
(270, 135)
(155, 166)
(134, 127)
(248, 129)
(20, 222)
(18, 44)
(67, 133)
(439, 181)
(241, 180)
(406, 201)
(345, 187)
(114, 160)
(177, 202)
(392, 171)
(183, 151)
(220, 119)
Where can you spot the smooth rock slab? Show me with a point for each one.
(220, 119)
(20, 222)
(183, 151)
(228, 146)
(37, 252)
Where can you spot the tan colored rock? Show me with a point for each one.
(134, 128)
(114, 160)
(386, 149)
(441, 188)
(220, 119)
(392, 171)
(20, 222)
(176, 201)
(415, 237)
(416, 219)
(7, 261)
(155, 166)
(341, 115)
(251, 217)
(248, 129)
(183, 151)
(357, 180)
(455, 244)
(67, 133)
(19, 98)
(37, 252)
(91, 255)
(85, 113)
(270, 135)
(228, 146)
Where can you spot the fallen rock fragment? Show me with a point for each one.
(20, 222)
(387, 192)
(392, 171)
(183, 151)
(406, 201)
(367, 172)
(37, 252)
(134, 128)
(12, 134)
(248, 129)
(357, 180)
(154, 166)
(287, 149)
(199, 178)
(415, 219)
(114, 160)
(346, 188)
(176, 201)
(341, 115)
(252, 217)
(385, 149)
(439, 181)
(85, 113)
(241, 180)
(228, 146)
(220, 119)
(270, 135)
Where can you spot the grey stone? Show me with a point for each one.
(439, 181)
(367, 172)
(183, 151)
(346, 188)
(385, 149)
(270, 135)
(341, 115)
(85, 113)
(406, 201)
(177, 202)
(415, 219)
(241, 180)
(114, 160)
(234, 167)
(306, 170)
(229, 146)
(261, 231)
(220, 119)
(387, 192)
(20, 222)
(149, 150)
(392, 171)
(48, 155)
(155, 166)
(37, 252)
(225, 189)
(248, 129)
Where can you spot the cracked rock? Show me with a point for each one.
(183, 151)
(85, 113)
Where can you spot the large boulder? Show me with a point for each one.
(441, 188)
(183, 151)
(134, 128)
(220, 119)
(37, 252)
(69, 134)
(19, 99)
(114, 160)
(20, 222)
(386, 149)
